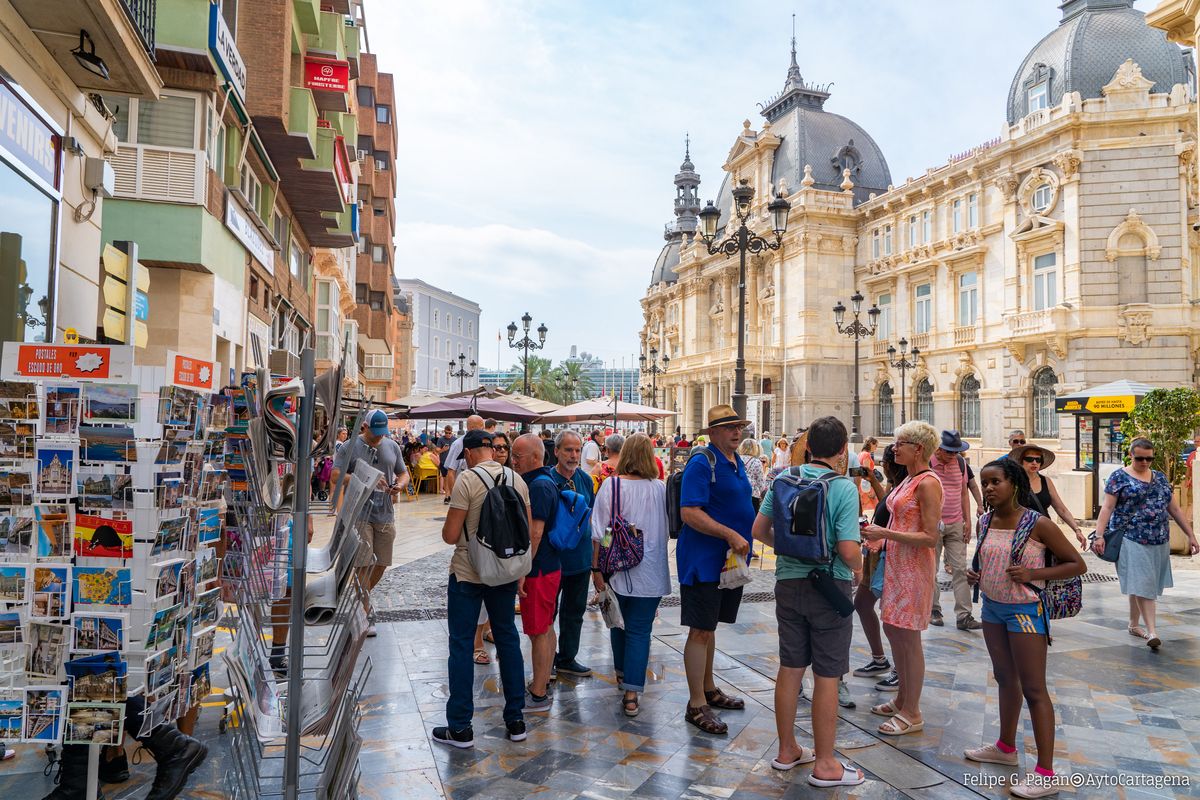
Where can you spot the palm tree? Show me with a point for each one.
(574, 373)
(541, 383)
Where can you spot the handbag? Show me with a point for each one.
(1112, 544)
(625, 546)
(610, 610)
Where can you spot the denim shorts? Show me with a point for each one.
(1015, 617)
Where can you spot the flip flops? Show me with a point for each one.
(892, 728)
(850, 777)
(884, 709)
(806, 757)
(481, 657)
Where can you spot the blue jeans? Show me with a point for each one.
(462, 615)
(631, 646)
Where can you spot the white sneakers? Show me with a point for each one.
(990, 754)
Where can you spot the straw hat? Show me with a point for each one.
(724, 415)
(1018, 453)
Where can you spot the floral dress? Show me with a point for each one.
(758, 479)
(909, 574)
(1144, 567)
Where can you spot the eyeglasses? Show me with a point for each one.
(1032, 460)
(1144, 459)
(902, 442)
(499, 447)
(1016, 442)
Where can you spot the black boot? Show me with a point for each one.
(72, 774)
(116, 769)
(177, 755)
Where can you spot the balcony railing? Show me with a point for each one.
(920, 341)
(965, 334)
(141, 14)
(377, 373)
(1029, 322)
(881, 347)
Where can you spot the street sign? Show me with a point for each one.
(120, 284)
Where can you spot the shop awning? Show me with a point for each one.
(372, 346)
(1118, 397)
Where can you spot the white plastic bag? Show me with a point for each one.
(735, 573)
(609, 610)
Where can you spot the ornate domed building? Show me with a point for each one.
(1058, 256)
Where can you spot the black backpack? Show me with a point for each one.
(500, 548)
(675, 491)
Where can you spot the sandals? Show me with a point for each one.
(1138, 631)
(481, 657)
(806, 757)
(718, 699)
(487, 636)
(1154, 643)
(884, 709)
(892, 726)
(707, 721)
(850, 777)
(630, 706)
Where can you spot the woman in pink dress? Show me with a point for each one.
(908, 573)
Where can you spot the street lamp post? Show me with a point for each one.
(858, 331)
(650, 367)
(743, 241)
(461, 373)
(526, 344)
(904, 365)
(566, 386)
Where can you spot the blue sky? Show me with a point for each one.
(538, 140)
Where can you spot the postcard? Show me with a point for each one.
(103, 537)
(11, 705)
(177, 406)
(12, 631)
(44, 709)
(201, 683)
(166, 578)
(47, 649)
(95, 723)
(170, 492)
(207, 565)
(56, 469)
(160, 669)
(173, 446)
(104, 586)
(157, 712)
(14, 408)
(110, 402)
(186, 593)
(18, 390)
(202, 645)
(107, 443)
(14, 583)
(16, 488)
(62, 409)
(162, 627)
(51, 585)
(193, 468)
(52, 527)
(98, 678)
(170, 535)
(208, 607)
(16, 531)
(208, 523)
(183, 697)
(16, 439)
(98, 632)
(97, 489)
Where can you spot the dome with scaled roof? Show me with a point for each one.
(1083, 53)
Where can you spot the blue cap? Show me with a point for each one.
(377, 422)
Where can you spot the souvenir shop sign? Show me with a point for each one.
(84, 362)
(326, 75)
(192, 373)
(28, 139)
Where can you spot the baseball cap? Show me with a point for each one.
(476, 438)
(377, 422)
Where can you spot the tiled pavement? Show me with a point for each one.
(1121, 709)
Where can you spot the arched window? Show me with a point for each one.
(968, 406)
(1045, 422)
(924, 400)
(887, 411)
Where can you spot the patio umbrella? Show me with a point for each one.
(531, 403)
(604, 409)
(458, 407)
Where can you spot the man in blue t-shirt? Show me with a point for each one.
(811, 631)
(577, 563)
(717, 512)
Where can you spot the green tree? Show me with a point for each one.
(1168, 418)
(541, 383)
(574, 374)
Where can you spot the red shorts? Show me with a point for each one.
(539, 603)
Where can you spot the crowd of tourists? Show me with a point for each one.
(537, 521)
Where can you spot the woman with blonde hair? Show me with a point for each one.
(782, 453)
(636, 499)
(908, 575)
(750, 451)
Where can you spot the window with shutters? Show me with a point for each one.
(969, 423)
(924, 401)
(1045, 421)
(166, 146)
(887, 410)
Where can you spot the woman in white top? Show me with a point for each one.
(639, 498)
(782, 454)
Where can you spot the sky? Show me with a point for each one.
(538, 139)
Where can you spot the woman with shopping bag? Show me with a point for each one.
(629, 541)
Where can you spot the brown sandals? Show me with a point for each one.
(718, 699)
(706, 720)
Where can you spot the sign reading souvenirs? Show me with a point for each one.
(26, 138)
(326, 75)
(192, 373)
(96, 362)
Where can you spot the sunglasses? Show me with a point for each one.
(1144, 459)
(1016, 442)
(499, 447)
(1032, 460)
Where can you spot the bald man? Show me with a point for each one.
(454, 460)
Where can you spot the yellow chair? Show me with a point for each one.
(426, 470)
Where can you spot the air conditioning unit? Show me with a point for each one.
(362, 155)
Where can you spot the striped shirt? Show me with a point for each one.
(953, 474)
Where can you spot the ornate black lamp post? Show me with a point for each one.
(566, 386)
(904, 365)
(651, 367)
(742, 241)
(526, 344)
(461, 373)
(857, 331)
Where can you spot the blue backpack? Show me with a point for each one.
(572, 518)
(799, 519)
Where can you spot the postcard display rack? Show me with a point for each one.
(298, 734)
(110, 494)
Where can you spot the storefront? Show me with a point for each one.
(30, 177)
(1099, 443)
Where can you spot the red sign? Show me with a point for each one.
(192, 373)
(326, 75)
(95, 362)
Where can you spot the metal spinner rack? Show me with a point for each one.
(298, 735)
